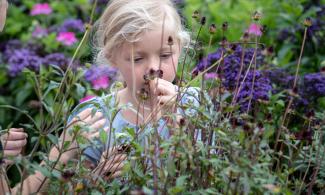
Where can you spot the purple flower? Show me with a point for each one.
(314, 85)
(40, 32)
(23, 58)
(100, 75)
(262, 87)
(229, 72)
(72, 25)
(56, 59)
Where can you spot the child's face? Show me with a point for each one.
(149, 52)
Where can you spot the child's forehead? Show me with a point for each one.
(152, 36)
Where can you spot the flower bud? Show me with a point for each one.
(170, 41)
(257, 16)
(212, 29)
(203, 20)
(225, 26)
(195, 14)
(308, 22)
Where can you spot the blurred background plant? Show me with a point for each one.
(262, 124)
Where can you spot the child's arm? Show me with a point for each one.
(3, 13)
(32, 183)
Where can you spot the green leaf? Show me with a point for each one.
(54, 139)
(103, 136)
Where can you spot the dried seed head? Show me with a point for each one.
(152, 72)
(310, 113)
(225, 26)
(203, 20)
(224, 42)
(196, 14)
(257, 16)
(212, 29)
(160, 73)
(308, 22)
(195, 73)
(66, 175)
(264, 29)
(143, 94)
(182, 122)
(124, 148)
(170, 41)
(245, 37)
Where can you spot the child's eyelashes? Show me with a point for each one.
(163, 56)
(166, 55)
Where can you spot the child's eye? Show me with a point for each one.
(166, 55)
(138, 59)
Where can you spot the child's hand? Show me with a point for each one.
(111, 164)
(13, 142)
(164, 92)
(94, 122)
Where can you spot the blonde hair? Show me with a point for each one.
(125, 20)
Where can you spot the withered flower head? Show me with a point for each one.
(264, 29)
(160, 73)
(225, 26)
(203, 20)
(152, 74)
(170, 41)
(196, 14)
(308, 22)
(257, 16)
(212, 29)
(143, 94)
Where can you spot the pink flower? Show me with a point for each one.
(210, 75)
(66, 38)
(254, 29)
(41, 8)
(100, 83)
(87, 97)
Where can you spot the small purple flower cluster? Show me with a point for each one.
(229, 72)
(95, 72)
(72, 25)
(100, 76)
(310, 87)
(19, 56)
(314, 85)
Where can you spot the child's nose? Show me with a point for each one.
(154, 64)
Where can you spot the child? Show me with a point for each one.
(143, 39)
(3, 13)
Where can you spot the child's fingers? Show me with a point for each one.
(117, 174)
(11, 152)
(82, 115)
(162, 87)
(161, 100)
(93, 118)
(113, 156)
(14, 136)
(97, 125)
(16, 129)
(12, 145)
